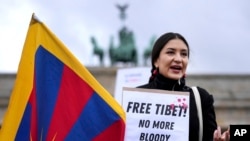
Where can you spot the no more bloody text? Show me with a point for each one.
(154, 137)
(156, 124)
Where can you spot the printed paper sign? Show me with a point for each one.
(130, 77)
(155, 115)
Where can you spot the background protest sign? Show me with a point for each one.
(155, 115)
(130, 77)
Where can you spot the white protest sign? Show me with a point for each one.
(130, 77)
(155, 115)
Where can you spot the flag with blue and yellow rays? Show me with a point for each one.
(56, 98)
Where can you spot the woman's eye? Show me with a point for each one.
(184, 54)
(170, 52)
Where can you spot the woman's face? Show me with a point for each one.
(173, 59)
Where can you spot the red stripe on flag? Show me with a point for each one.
(32, 101)
(117, 127)
(73, 95)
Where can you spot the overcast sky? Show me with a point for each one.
(218, 31)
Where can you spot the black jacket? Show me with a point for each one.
(209, 120)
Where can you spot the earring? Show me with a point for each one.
(155, 72)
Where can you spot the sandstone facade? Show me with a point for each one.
(231, 92)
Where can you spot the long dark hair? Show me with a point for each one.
(158, 46)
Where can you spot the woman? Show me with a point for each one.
(169, 58)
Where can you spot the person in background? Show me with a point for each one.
(169, 58)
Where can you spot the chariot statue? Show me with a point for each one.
(148, 50)
(97, 50)
(126, 50)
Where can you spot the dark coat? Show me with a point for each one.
(209, 119)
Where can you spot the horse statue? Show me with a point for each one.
(126, 50)
(148, 50)
(97, 50)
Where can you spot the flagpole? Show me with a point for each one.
(34, 19)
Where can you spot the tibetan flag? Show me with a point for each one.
(56, 98)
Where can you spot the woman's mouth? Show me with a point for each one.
(176, 69)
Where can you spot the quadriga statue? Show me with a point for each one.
(148, 50)
(97, 50)
(126, 50)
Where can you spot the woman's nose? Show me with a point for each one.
(177, 58)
